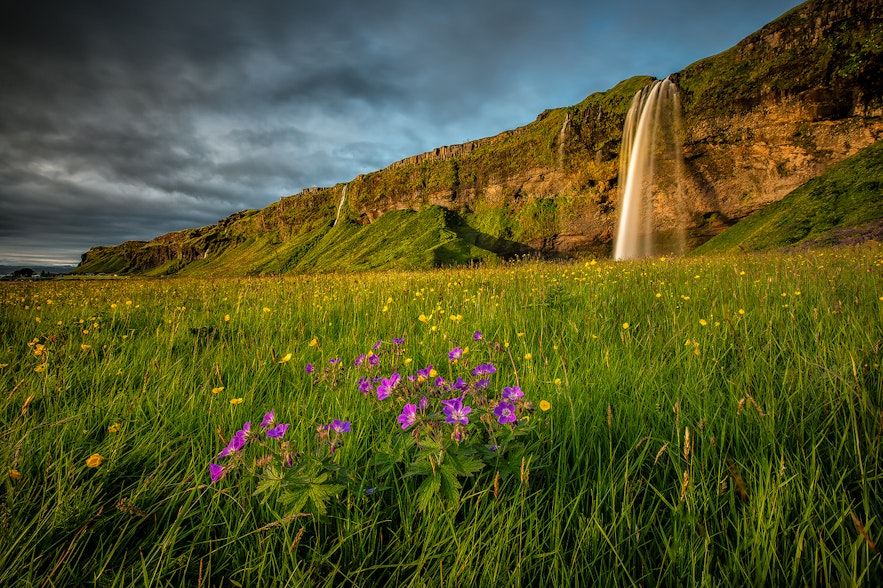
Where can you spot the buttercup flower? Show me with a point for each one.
(544, 405)
(94, 460)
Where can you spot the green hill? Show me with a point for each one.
(843, 205)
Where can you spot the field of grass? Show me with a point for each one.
(712, 421)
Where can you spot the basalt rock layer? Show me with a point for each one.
(760, 119)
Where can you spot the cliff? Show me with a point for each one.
(760, 119)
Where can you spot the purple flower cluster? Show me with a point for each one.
(242, 436)
(332, 432)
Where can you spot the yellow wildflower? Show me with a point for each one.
(217, 390)
(703, 322)
(226, 318)
(314, 342)
(544, 405)
(423, 318)
(114, 428)
(625, 325)
(235, 401)
(14, 474)
(94, 460)
(85, 347)
(286, 358)
(557, 381)
(528, 356)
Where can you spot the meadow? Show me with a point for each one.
(713, 421)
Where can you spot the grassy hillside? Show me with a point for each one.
(844, 204)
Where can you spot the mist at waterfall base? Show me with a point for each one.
(652, 216)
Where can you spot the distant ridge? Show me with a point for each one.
(780, 108)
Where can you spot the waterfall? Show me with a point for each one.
(650, 165)
(340, 206)
(562, 135)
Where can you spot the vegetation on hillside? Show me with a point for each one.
(843, 205)
(697, 421)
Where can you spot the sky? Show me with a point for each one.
(128, 120)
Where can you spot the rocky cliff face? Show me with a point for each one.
(760, 119)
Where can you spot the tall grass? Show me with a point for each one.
(713, 421)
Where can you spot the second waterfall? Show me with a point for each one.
(650, 164)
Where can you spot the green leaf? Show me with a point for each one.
(271, 481)
(463, 465)
(426, 493)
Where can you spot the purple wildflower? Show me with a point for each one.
(377, 345)
(482, 383)
(216, 471)
(408, 416)
(484, 369)
(334, 361)
(338, 426)
(398, 340)
(278, 431)
(506, 412)
(439, 382)
(477, 336)
(424, 402)
(373, 360)
(269, 419)
(512, 393)
(461, 385)
(425, 372)
(365, 386)
(359, 360)
(237, 442)
(455, 411)
(309, 368)
(387, 385)
(455, 353)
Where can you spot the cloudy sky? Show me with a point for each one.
(125, 120)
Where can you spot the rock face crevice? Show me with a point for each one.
(781, 107)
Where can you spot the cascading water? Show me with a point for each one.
(650, 164)
(340, 206)
(562, 136)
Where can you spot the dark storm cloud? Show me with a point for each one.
(126, 120)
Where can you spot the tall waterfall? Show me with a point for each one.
(340, 206)
(650, 164)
